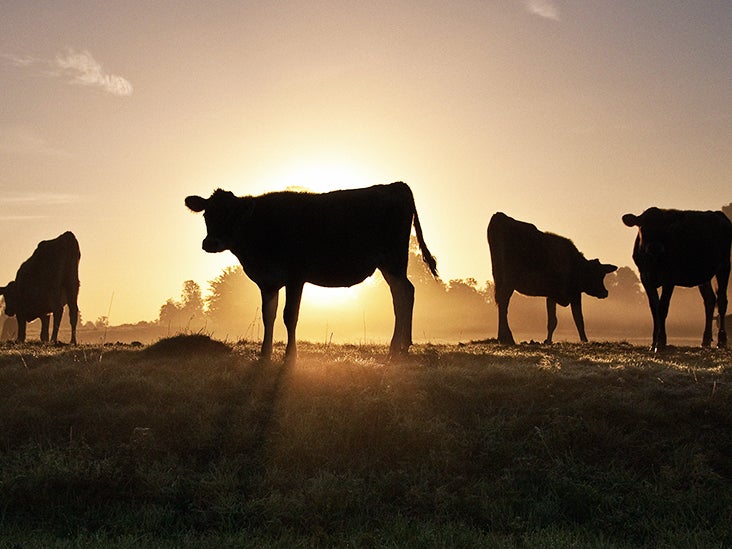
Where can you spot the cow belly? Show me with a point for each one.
(340, 278)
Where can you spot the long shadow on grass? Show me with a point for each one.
(245, 426)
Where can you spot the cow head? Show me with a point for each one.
(593, 281)
(650, 239)
(10, 293)
(223, 213)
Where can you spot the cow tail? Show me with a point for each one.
(426, 255)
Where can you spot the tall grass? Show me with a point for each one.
(566, 445)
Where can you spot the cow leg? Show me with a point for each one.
(293, 294)
(402, 296)
(551, 319)
(579, 319)
(662, 313)
(56, 324)
(45, 321)
(722, 282)
(503, 296)
(652, 294)
(73, 319)
(21, 330)
(710, 299)
(269, 311)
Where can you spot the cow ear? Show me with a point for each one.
(607, 268)
(2, 290)
(196, 203)
(631, 220)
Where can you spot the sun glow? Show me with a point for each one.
(320, 297)
(321, 174)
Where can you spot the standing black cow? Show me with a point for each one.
(536, 263)
(683, 248)
(332, 239)
(46, 282)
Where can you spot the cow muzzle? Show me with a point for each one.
(213, 245)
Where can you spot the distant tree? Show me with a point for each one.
(233, 300)
(728, 210)
(624, 285)
(186, 314)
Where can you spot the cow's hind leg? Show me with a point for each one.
(710, 299)
(269, 311)
(402, 295)
(293, 295)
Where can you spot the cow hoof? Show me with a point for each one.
(548, 342)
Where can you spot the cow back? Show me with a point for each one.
(533, 262)
(331, 239)
(50, 277)
(681, 247)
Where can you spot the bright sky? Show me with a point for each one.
(567, 114)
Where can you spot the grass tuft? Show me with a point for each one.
(183, 345)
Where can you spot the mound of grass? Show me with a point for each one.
(186, 345)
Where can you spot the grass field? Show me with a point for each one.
(190, 442)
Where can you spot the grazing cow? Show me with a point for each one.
(535, 263)
(46, 282)
(332, 239)
(683, 248)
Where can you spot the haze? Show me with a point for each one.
(564, 114)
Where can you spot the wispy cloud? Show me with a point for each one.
(543, 8)
(77, 67)
(84, 70)
(37, 199)
(18, 140)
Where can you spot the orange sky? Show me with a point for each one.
(565, 114)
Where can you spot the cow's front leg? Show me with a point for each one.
(45, 321)
(56, 323)
(710, 299)
(293, 295)
(662, 313)
(551, 319)
(503, 297)
(652, 294)
(579, 319)
(722, 282)
(21, 330)
(269, 311)
(73, 320)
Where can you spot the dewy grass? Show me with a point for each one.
(600, 445)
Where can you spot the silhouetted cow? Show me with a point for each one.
(332, 239)
(535, 263)
(46, 282)
(683, 248)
